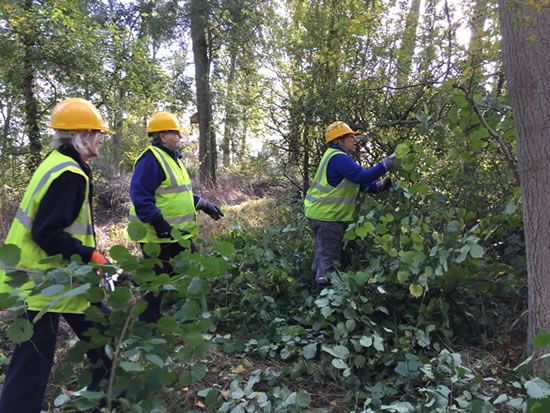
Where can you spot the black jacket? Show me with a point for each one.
(59, 209)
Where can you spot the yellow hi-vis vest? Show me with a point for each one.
(31, 254)
(327, 203)
(174, 198)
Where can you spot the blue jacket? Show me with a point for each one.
(343, 166)
(147, 177)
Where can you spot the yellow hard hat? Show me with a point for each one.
(76, 113)
(337, 129)
(163, 121)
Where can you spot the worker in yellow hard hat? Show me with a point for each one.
(55, 218)
(163, 199)
(330, 201)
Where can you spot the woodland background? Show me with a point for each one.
(431, 309)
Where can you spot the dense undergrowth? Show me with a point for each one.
(423, 315)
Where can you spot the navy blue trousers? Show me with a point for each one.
(32, 360)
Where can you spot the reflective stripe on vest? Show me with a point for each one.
(174, 198)
(31, 254)
(327, 203)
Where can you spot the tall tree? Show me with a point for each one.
(526, 55)
(199, 12)
(408, 44)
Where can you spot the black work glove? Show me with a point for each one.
(210, 208)
(385, 184)
(162, 228)
(388, 161)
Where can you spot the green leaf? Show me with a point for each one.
(365, 341)
(537, 388)
(195, 286)
(481, 406)
(129, 366)
(189, 310)
(120, 298)
(402, 149)
(337, 351)
(542, 339)
(136, 230)
(537, 405)
(152, 249)
(478, 99)
(224, 248)
(303, 399)
(403, 275)
(350, 325)
(20, 330)
(476, 251)
(155, 359)
(192, 337)
(211, 397)
(186, 378)
(52, 290)
(82, 289)
(365, 229)
(339, 364)
(310, 351)
(168, 324)
(198, 371)
(378, 343)
(9, 255)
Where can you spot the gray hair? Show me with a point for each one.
(81, 140)
(155, 136)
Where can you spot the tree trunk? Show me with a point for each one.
(526, 57)
(229, 112)
(408, 43)
(199, 15)
(118, 129)
(31, 104)
(475, 48)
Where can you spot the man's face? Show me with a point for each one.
(171, 139)
(348, 142)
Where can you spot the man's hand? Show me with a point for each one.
(107, 281)
(162, 228)
(210, 208)
(388, 161)
(385, 184)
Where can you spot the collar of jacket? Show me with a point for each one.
(173, 154)
(334, 146)
(70, 151)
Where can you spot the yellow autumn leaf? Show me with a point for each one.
(239, 369)
(416, 290)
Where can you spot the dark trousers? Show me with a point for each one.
(32, 360)
(329, 237)
(168, 251)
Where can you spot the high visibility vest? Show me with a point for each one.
(31, 254)
(327, 203)
(174, 198)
